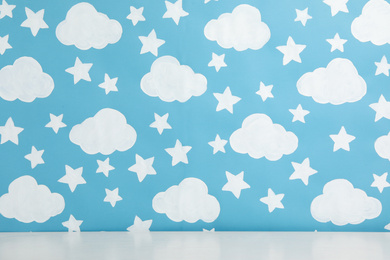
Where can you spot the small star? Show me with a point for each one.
(4, 45)
(80, 71)
(34, 21)
(56, 122)
(136, 15)
(291, 51)
(273, 200)
(104, 167)
(380, 182)
(35, 157)
(6, 9)
(109, 84)
(218, 144)
(302, 171)
(235, 183)
(10, 132)
(302, 16)
(299, 114)
(226, 100)
(217, 61)
(143, 167)
(140, 226)
(337, 43)
(337, 6)
(387, 227)
(382, 108)
(72, 224)
(112, 196)
(342, 140)
(72, 177)
(211, 230)
(150, 43)
(160, 123)
(265, 91)
(174, 11)
(178, 153)
(382, 67)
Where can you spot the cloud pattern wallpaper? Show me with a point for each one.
(191, 115)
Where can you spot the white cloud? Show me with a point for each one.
(373, 24)
(31, 81)
(260, 137)
(382, 146)
(171, 81)
(242, 29)
(27, 201)
(86, 28)
(343, 204)
(188, 201)
(336, 84)
(104, 133)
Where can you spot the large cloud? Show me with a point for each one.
(373, 25)
(188, 201)
(86, 28)
(27, 201)
(336, 84)
(171, 81)
(25, 80)
(343, 204)
(260, 137)
(104, 133)
(382, 146)
(242, 29)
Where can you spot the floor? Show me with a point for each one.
(195, 245)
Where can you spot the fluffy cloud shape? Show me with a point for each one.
(382, 146)
(336, 84)
(260, 137)
(86, 28)
(27, 201)
(171, 81)
(242, 29)
(343, 204)
(25, 80)
(374, 23)
(188, 201)
(104, 133)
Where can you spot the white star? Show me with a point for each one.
(380, 182)
(6, 9)
(178, 153)
(235, 184)
(34, 21)
(140, 226)
(302, 171)
(150, 43)
(218, 144)
(299, 114)
(337, 6)
(160, 123)
(217, 61)
(226, 100)
(72, 177)
(273, 201)
(136, 15)
(4, 45)
(80, 70)
(72, 224)
(56, 122)
(265, 91)
(174, 11)
(302, 16)
(104, 167)
(109, 84)
(342, 140)
(337, 43)
(382, 67)
(35, 157)
(382, 108)
(112, 196)
(291, 51)
(143, 167)
(387, 227)
(206, 1)
(10, 132)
